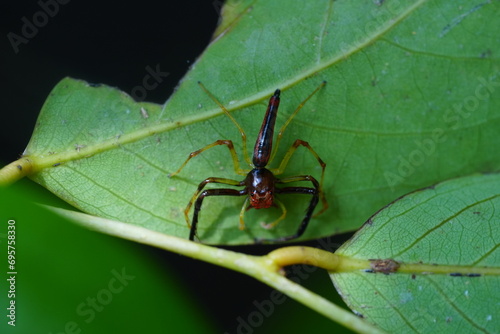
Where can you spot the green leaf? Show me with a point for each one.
(412, 99)
(445, 240)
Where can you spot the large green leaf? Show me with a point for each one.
(445, 240)
(412, 98)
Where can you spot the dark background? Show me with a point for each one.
(113, 44)
(96, 42)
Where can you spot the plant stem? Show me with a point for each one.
(15, 171)
(264, 268)
(316, 257)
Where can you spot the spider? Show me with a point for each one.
(260, 183)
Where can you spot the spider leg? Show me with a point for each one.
(230, 146)
(200, 188)
(280, 133)
(280, 218)
(310, 209)
(284, 163)
(199, 202)
(240, 129)
(244, 208)
(316, 185)
(277, 203)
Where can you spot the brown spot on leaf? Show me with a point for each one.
(385, 266)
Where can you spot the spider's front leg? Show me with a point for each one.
(201, 186)
(205, 193)
(314, 192)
